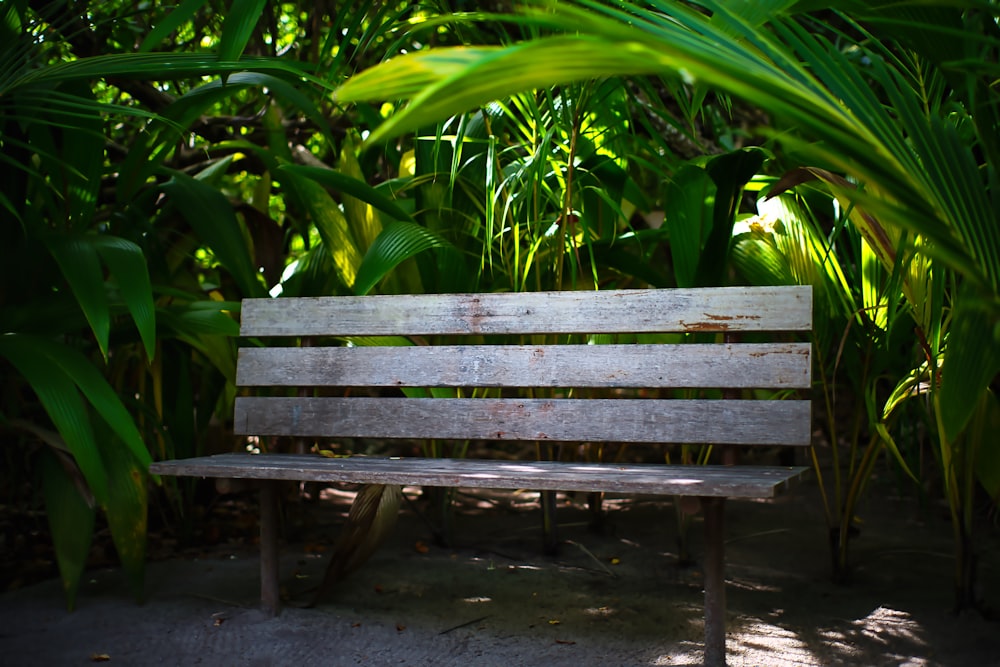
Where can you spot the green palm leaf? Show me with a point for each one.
(62, 402)
(331, 224)
(71, 522)
(354, 187)
(156, 67)
(127, 264)
(211, 215)
(238, 27)
(397, 242)
(177, 17)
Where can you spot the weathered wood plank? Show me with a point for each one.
(785, 308)
(716, 481)
(735, 422)
(746, 366)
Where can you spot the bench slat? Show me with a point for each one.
(746, 366)
(718, 481)
(783, 308)
(730, 422)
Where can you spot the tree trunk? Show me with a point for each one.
(840, 564)
(966, 571)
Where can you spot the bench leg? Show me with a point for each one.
(715, 582)
(550, 523)
(270, 597)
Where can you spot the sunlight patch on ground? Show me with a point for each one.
(599, 611)
(884, 623)
(692, 656)
(862, 640)
(883, 628)
(758, 643)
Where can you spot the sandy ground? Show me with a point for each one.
(611, 598)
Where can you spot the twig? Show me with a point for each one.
(593, 557)
(762, 534)
(462, 625)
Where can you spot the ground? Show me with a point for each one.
(612, 598)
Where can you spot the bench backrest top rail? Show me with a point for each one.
(782, 308)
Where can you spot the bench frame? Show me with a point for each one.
(729, 365)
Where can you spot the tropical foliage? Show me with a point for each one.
(166, 161)
(138, 209)
(891, 110)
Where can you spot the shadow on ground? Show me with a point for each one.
(615, 598)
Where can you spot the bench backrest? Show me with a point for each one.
(471, 321)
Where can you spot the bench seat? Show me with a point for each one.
(649, 478)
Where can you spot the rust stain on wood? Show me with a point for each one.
(731, 317)
(473, 312)
(716, 322)
(704, 326)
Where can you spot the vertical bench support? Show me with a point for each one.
(270, 596)
(715, 582)
(550, 525)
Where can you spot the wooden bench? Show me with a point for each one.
(541, 364)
